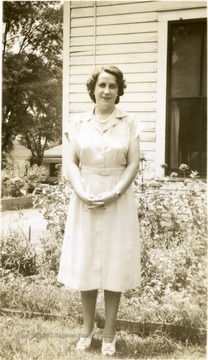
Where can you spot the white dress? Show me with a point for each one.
(101, 247)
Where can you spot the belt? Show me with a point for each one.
(102, 171)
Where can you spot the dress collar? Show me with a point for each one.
(118, 114)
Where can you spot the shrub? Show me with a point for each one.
(21, 179)
(18, 254)
(173, 228)
(167, 210)
(53, 202)
(50, 252)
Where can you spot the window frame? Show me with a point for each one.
(163, 18)
(170, 99)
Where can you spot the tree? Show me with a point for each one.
(32, 73)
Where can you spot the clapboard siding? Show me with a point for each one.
(121, 7)
(114, 8)
(147, 136)
(114, 49)
(115, 59)
(115, 29)
(130, 43)
(84, 3)
(115, 39)
(123, 33)
(115, 19)
(148, 127)
(132, 73)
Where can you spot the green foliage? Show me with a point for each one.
(18, 254)
(53, 201)
(168, 210)
(173, 228)
(49, 255)
(20, 257)
(32, 75)
(31, 293)
(21, 179)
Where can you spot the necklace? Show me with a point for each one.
(106, 120)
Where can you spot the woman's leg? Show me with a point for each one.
(88, 299)
(112, 300)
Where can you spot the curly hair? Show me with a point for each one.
(113, 70)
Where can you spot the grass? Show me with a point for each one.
(38, 339)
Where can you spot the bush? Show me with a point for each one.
(167, 211)
(173, 228)
(22, 258)
(53, 202)
(21, 179)
(50, 251)
(18, 254)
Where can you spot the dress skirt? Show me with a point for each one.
(101, 247)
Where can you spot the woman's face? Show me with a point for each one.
(106, 90)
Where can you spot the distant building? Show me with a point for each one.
(51, 158)
(20, 153)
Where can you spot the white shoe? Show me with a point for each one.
(109, 348)
(85, 341)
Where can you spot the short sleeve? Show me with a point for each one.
(135, 128)
(71, 129)
(68, 132)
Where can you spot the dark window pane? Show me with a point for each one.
(187, 103)
(188, 134)
(186, 60)
(53, 169)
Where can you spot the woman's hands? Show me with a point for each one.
(107, 197)
(97, 201)
(90, 199)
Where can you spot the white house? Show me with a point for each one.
(161, 48)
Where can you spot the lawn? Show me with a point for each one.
(38, 339)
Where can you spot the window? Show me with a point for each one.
(186, 95)
(53, 169)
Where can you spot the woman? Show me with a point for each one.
(101, 244)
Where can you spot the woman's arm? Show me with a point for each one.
(73, 175)
(133, 161)
(128, 175)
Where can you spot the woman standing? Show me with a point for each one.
(101, 243)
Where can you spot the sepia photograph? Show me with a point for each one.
(103, 250)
